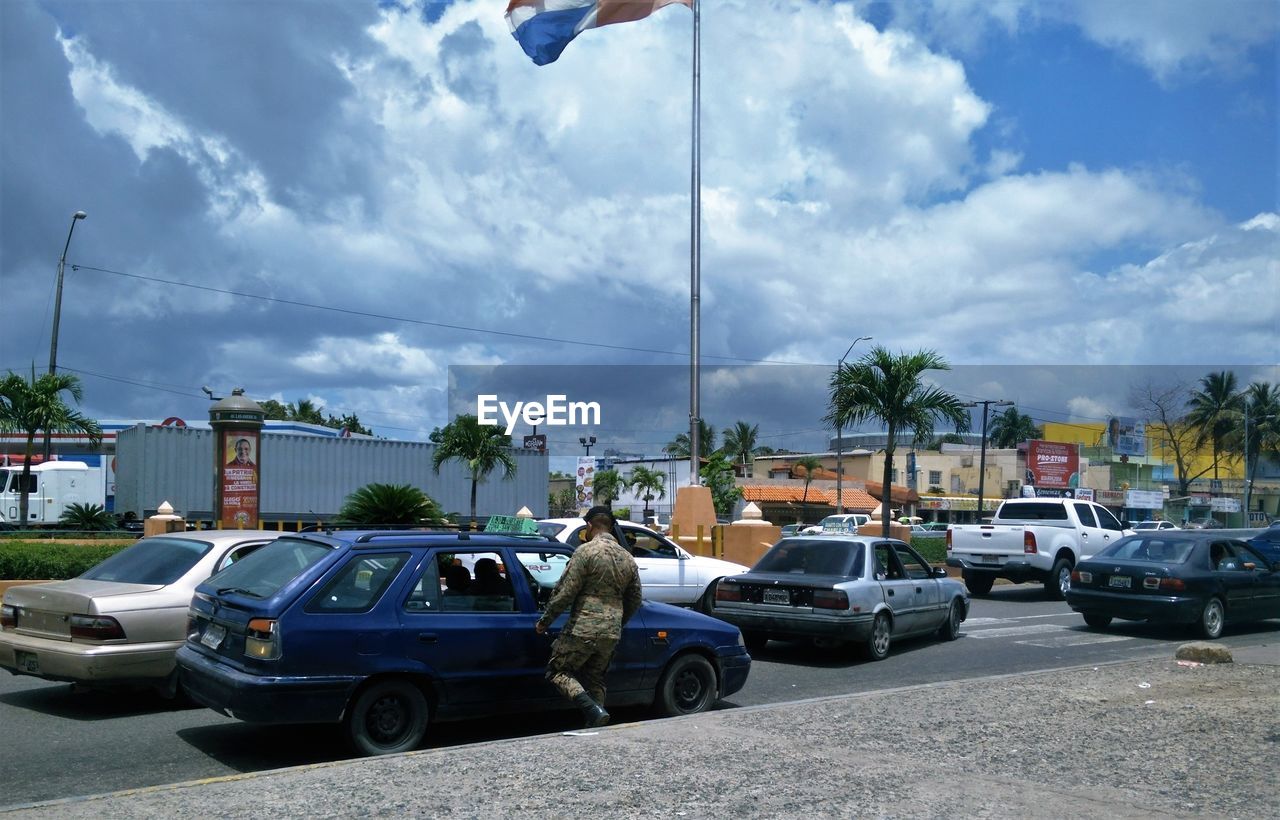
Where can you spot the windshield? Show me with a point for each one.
(811, 556)
(264, 572)
(1153, 548)
(550, 529)
(151, 561)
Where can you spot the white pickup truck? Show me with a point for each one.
(1031, 539)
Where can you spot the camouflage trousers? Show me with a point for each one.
(579, 664)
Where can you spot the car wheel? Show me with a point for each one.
(1096, 620)
(1055, 586)
(881, 637)
(755, 641)
(979, 583)
(1212, 619)
(388, 717)
(950, 629)
(688, 686)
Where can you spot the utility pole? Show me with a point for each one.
(982, 449)
(57, 315)
(839, 439)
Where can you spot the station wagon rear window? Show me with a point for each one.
(265, 571)
(153, 561)
(811, 557)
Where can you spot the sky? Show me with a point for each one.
(340, 201)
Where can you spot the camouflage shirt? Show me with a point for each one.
(600, 588)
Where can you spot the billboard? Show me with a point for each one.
(1127, 436)
(238, 479)
(536, 442)
(1052, 465)
(585, 483)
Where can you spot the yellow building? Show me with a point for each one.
(1094, 437)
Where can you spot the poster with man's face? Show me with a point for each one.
(238, 484)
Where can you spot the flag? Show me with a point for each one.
(544, 27)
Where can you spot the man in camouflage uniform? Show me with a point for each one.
(601, 589)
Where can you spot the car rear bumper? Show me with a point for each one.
(1160, 608)
(90, 664)
(784, 625)
(262, 699)
(735, 665)
(1018, 570)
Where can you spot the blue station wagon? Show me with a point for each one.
(388, 631)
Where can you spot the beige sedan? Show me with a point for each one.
(122, 621)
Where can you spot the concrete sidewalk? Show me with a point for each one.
(1136, 739)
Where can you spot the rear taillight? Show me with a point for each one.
(728, 591)
(8, 617)
(1172, 584)
(948, 540)
(830, 599)
(1028, 542)
(1081, 577)
(96, 627)
(261, 640)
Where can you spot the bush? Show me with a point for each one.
(50, 561)
(934, 550)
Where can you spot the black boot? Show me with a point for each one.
(593, 712)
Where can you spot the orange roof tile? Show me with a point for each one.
(854, 500)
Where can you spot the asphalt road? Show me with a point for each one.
(57, 743)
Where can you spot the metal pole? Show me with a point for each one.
(695, 265)
(982, 448)
(57, 314)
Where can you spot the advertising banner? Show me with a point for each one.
(238, 479)
(1144, 500)
(1127, 436)
(1228, 505)
(1085, 493)
(1052, 465)
(537, 442)
(1109, 498)
(585, 480)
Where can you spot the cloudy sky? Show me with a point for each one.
(341, 200)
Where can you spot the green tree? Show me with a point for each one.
(36, 405)
(481, 447)
(1261, 404)
(648, 484)
(889, 388)
(275, 410)
(1011, 427)
(390, 505)
(740, 441)
(810, 465)
(87, 517)
(562, 504)
(306, 412)
(1214, 408)
(607, 486)
(717, 476)
(679, 446)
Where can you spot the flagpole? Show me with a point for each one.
(695, 263)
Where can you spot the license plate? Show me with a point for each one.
(213, 635)
(991, 559)
(777, 596)
(1121, 581)
(28, 662)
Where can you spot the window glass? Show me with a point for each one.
(263, 573)
(1224, 558)
(1106, 520)
(550, 529)
(915, 566)
(1085, 513)
(468, 581)
(542, 572)
(644, 544)
(242, 551)
(359, 584)
(935, 478)
(811, 557)
(887, 567)
(1150, 547)
(1033, 511)
(32, 484)
(156, 561)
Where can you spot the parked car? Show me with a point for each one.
(923, 531)
(379, 631)
(936, 526)
(1142, 526)
(1198, 578)
(668, 572)
(1206, 523)
(838, 589)
(1267, 542)
(122, 621)
(841, 522)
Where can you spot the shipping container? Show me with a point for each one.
(307, 479)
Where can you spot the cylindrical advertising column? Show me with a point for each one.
(237, 424)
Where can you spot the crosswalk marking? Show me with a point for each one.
(1010, 631)
(1074, 639)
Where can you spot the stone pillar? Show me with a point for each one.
(693, 508)
(750, 537)
(237, 422)
(164, 521)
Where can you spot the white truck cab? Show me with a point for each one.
(53, 486)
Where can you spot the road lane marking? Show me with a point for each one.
(1075, 639)
(1010, 631)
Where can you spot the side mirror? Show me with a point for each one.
(939, 572)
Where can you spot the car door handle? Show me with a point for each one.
(919, 589)
(890, 593)
(643, 569)
(428, 637)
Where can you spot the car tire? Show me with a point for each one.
(1055, 586)
(1212, 619)
(687, 687)
(387, 717)
(754, 641)
(950, 628)
(880, 639)
(979, 583)
(1096, 620)
(706, 604)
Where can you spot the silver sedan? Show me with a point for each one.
(122, 621)
(838, 589)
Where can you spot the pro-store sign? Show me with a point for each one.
(1053, 465)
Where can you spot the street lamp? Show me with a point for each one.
(982, 449)
(57, 312)
(839, 440)
(588, 442)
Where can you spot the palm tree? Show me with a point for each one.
(648, 484)
(1261, 400)
(889, 388)
(482, 447)
(679, 446)
(810, 464)
(1213, 408)
(1011, 427)
(36, 405)
(607, 486)
(740, 441)
(393, 505)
